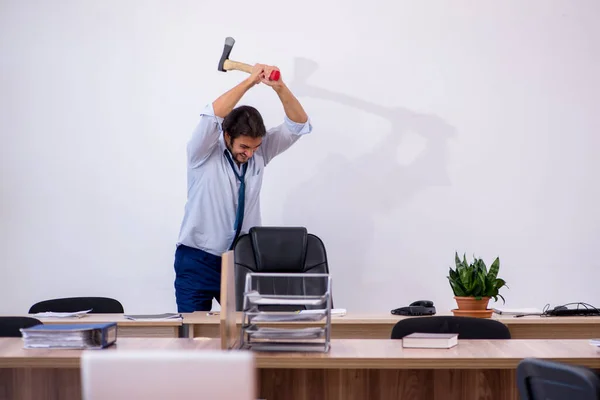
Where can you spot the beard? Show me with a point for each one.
(238, 157)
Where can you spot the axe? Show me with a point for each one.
(225, 64)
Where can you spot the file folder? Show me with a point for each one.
(70, 336)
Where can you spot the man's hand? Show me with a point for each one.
(261, 73)
(255, 75)
(267, 73)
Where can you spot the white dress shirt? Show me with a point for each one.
(210, 210)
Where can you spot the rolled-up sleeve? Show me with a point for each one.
(298, 128)
(205, 137)
(281, 137)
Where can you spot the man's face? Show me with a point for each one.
(242, 147)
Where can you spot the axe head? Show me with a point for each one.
(229, 42)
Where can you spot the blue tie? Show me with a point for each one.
(239, 215)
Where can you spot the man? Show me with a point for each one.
(226, 156)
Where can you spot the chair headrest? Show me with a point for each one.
(279, 249)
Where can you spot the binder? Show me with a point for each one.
(70, 336)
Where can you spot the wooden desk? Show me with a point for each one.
(382, 369)
(354, 368)
(364, 326)
(126, 327)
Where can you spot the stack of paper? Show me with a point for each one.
(294, 316)
(339, 312)
(284, 334)
(154, 317)
(283, 316)
(518, 311)
(259, 299)
(51, 314)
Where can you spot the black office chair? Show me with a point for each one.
(542, 379)
(98, 305)
(10, 326)
(280, 250)
(466, 327)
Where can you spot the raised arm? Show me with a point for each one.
(228, 100)
(292, 107)
(296, 122)
(205, 136)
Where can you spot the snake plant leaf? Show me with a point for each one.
(457, 289)
(494, 268)
(489, 281)
(455, 277)
(477, 289)
(500, 283)
(476, 282)
(482, 266)
(481, 277)
(461, 266)
(466, 278)
(452, 273)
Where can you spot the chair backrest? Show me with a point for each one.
(271, 249)
(466, 327)
(154, 374)
(542, 379)
(10, 326)
(98, 305)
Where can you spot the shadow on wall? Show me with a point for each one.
(341, 202)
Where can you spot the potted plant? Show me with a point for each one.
(474, 285)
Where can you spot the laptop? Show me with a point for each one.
(168, 374)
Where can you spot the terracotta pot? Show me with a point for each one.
(471, 307)
(470, 303)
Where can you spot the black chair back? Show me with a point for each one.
(466, 327)
(542, 379)
(279, 250)
(10, 326)
(98, 305)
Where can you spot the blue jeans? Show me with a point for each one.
(197, 279)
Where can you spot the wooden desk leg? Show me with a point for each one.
(186, 331)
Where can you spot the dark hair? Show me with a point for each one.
(244, 120)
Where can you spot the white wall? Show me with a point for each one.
(439, 126)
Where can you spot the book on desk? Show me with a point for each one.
(75, 336)
(420, 340)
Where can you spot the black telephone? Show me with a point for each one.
(420, 307)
